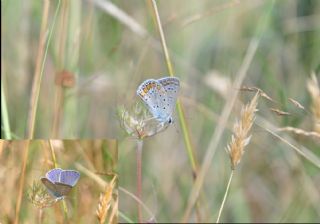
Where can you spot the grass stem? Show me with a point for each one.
(185, 131)
(241, 74)
(41, 59)
(186, 135)
(139, 176)
(4, 113)
(225, 196)
(22, 180)
(53, 154)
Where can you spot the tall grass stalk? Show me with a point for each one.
(37, 75)
(53, 154)
(139, 176)
(126, 218)
(41, 58)
(241, 74)
(4, 114)
(22, 180)
(219, 131)
(224, 197)
(72, 55)
(185, 131)
(240, 139)
(58, 99)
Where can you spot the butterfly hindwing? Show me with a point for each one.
(51, 187)
(154, 96)
(172, 87)
(63, 189)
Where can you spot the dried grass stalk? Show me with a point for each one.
(256, 89)
(279, 112)
(105, 201)
(296, 103)
(240, 137)
(299, 131)
(314, 90)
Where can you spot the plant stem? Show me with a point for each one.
(210, 152)
(186, 134)
(4, 113)
(41, 59)
(53, 154)
(38, 72)
(225, 196)
(59, 90)
(126, 218)
(139, 176)
(22, 178)
(40, 215)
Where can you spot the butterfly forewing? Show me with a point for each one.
(54, 175)
(69, 177)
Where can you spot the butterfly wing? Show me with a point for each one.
(54, 175)
(172, 87)
(51, 187)
(69, 177)
(154, 96)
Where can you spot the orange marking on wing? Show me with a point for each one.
(142, 93)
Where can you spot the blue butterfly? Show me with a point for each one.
(160, 96)
(59, 182)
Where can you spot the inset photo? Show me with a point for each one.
(59, 181)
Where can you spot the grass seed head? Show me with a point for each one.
(105, 201)
(39, 197)
(240, 137)
(138, 123)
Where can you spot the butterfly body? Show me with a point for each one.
(59, 182)
(160, 96)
